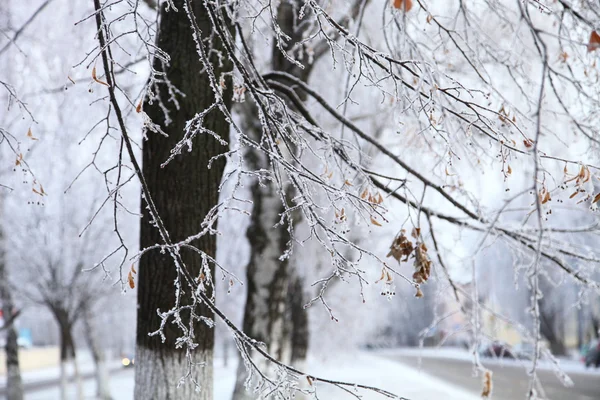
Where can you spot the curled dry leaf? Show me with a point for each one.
(486, 391)
(374, 221)
(95, 78)
(528, 143)
(594, 42)
(130, 280)
(400, 247)
(138, 109)
(596, 198)
(30, 135)
(419, 293)
(19, 159)
(422, 264)
(544, 196)
(405, 5)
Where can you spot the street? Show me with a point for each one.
(510, 380)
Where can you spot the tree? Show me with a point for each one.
(467, 101)
(184, 191)
(56, 273)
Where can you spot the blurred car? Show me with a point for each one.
(497, 350)
(591, 354)
(127, 360)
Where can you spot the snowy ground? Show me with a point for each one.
(360, 368)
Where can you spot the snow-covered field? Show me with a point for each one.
(359, 368)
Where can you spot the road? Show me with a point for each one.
(510, 381)
(53, 382)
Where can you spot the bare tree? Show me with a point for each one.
(55, 272)
(501, 88)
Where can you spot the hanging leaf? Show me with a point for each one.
(138, 109)
(486, 391)
(374, 221)
(30, 135)
(96, 78)
(130, 280)
(594, 42)
(596, 198)
(405, 5)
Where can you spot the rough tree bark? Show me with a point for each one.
(14, 384)
(102, 378)
(67, 352)
(183, 192)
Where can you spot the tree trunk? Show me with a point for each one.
(548, 329)
(299, 321)
(183, 191)
(266, 282)
(268, 273)
(14, 384)
(67, 353)
(102, 378)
